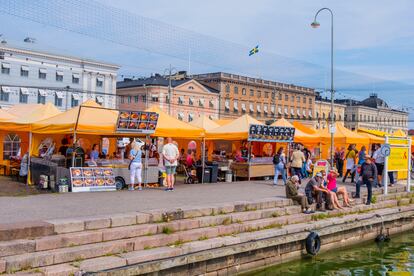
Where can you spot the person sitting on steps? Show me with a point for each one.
(292, 186)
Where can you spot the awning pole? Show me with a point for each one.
(146, 161)
(203, 160)
(249, 157)
(74, 136)
(409, 165)
(28, 159)
(385, 173)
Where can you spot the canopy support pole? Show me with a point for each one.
(409, 166)
(249, 157)
(147, 137)
(74, 136)
(203, 156)
(385, 173)
(28, 159)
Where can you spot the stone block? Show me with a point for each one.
(8, 248)
(292, 219)
(265, 203)
(65, 255)
(67, 225)
(47, 243)
(123, 219)
(137, 257)
(155, 216)
(246, 216)
(28, 260)
(59, 270)
(195, 234)
(251, 265)
(296, 228)
(195, 246)
(294, 209)
(223, 209)
(102, 263)
(174, 226)
(81, 238)
(213, 220)
(97, 223)
(240, 206)
(188, 224)
(2, 266)
(125, 232)
(283, 202)
(274, 212)
(191, 212)
(25, 230)
(154, 241)
(143, 218)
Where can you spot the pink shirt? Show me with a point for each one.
(331, 182)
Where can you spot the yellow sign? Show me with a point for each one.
(398, 159)
(397, 141)
(320, 165)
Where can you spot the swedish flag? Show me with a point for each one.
(254, 50)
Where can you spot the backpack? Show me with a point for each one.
(276, 159)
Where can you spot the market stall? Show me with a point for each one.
(88, 124)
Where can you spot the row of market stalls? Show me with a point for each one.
(42, 130)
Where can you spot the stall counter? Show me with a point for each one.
(258, 167)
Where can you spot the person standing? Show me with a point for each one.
(279, 162)
(297, 160)
(379, 160)
(368, 175)
(292, 186)
(135, 167)
(170, 154)
(350, 163)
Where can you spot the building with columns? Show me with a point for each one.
(374, 113)
(31, 76)
(323, 112)
(187, 99)
(263, 99)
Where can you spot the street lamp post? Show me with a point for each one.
(315, 24)
(170, 71)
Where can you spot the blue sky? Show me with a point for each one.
(373, 39)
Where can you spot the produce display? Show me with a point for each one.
(135, 121)
(262, 133)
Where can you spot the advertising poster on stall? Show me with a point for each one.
(398, 159)
(92, 179)
(261, 133)
(136, 121)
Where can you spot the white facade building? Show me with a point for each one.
(29, 76)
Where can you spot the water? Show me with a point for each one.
(391, 258)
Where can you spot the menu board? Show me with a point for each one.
(92, 179)
(263, 133)
(136, 121)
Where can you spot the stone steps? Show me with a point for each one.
(94, 244)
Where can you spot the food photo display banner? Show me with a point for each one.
(261, 133)
(136, 121)
(92, 179)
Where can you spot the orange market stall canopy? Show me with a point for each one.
(374, 132)
(300, 136)
(171, 127)
(223, 122)
(303, 128)
(237, 129)
(205, 123)
(343, 136)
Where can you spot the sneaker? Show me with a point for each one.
(140, 189)
(171, 189)
(368, 203)
(307, 212)
(356, 196)
(167, 189)
(130, 189)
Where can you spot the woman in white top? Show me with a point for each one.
(135, 155)
(280, 167)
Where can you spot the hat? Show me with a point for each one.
(318, 174)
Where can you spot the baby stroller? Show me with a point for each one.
(190, 175)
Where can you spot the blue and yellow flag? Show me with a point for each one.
(254, 50)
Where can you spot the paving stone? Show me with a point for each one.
(123, 219)
(28, 260)
(65, 255)
(196, 246)
(125, 232)
(143, 218)
(195, 234)
(213, 220)
(150, 254)
(97, 223)
(245, 216)
(294, 209)
(223, 208)
(292, 219)
(15, 247)
(275, 212)
(154, 241)
(67, 240)
(191, 212)
(24, 230)
(102, 263)
(59, 270)
(240, 206)
(67, 225)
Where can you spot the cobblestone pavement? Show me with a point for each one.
(54, 205)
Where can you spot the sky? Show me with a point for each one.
(373, 40)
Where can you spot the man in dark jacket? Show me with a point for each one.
(368, 176)
(292, 192)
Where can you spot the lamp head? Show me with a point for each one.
(315, 24)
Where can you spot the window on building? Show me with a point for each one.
(251, 92)
(227, 88)
(5, 68)
(4, 94)
(310, 100)
(190, 101)
(259, 94)
(280, 97)
(304, 100)
(317, 115)
(360, 117)
(136, 99)
(75, 100)
(42, 73)
(236, 90)
(144, 98)
(129, 99)
(353, 117)
(41, 97)
(24, 71)
(58, 99)
(11, 146)
(227, 105)
(286, 97)
(154, 98)
(273, 95)
(243, 91)
(122, 99)
(167, 99)
(99, 82)
(24, 95)
(298, 99)
(292, 99)
(59, 76)
(180, 100)
(190, 117)
(323, 116)
(75, 78)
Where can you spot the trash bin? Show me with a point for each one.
(214, 171)
(207, 174)
(229, 176)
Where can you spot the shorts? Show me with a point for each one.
(380, 168)
(170, 169)
(335, 190)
